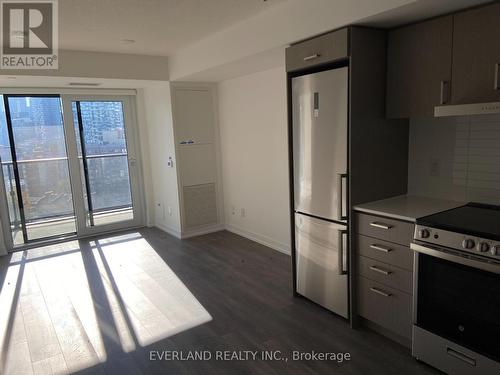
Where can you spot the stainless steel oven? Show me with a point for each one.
(456, 309)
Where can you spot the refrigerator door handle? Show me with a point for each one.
(342, 201)
(342, 266)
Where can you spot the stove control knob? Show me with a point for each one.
(495, 250)
(468, 243)
(483, 247)
(424, 233)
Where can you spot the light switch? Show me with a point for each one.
(170, 162)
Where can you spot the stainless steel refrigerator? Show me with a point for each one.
(320, 118)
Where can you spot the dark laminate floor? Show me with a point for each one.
(103, 306)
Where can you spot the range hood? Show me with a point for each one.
(467, 109)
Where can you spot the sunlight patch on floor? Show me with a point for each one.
(73, 305)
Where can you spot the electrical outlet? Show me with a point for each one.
(169, 211)
(435, 168)
(233, 210)
(243, 212)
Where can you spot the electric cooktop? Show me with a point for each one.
(474, 219)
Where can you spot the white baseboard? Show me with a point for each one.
(263, 240)
(203, 230)
(190, 233)
(259, 238)
(173, 231)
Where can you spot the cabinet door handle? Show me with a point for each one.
(381, 225)
(380, 270)
(381, 292)
(312, 57)
(496, 85)
(444, 96)
(381, 248)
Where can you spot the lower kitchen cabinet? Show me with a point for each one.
(384, 274)
(388, 307)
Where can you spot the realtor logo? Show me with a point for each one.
(29, 34)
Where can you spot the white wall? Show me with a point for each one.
(158, 129)
(253, 131)
(102, 65)
(282, 24)
(456, 158)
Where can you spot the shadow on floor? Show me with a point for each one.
(110, 304)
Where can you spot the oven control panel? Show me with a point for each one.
(457, 241)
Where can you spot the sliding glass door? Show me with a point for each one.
(104, 150)
(35, 168)
(69, 166)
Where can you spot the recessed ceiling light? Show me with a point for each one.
(127, 41)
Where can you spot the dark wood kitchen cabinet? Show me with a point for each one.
(384, 274)
(419, 68)
(476, 55)
(323, 49)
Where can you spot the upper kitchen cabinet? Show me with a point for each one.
(419, 68)
(193, 125)
(476, 55)
(323, 49)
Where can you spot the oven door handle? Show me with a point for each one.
(452, 256)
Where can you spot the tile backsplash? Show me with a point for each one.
(455, 158)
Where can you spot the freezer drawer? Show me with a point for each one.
(319, 110)
(321, 251)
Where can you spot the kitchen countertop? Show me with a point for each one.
(407, 207)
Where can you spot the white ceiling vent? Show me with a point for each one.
(84, 84)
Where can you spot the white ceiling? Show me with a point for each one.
(159, 27)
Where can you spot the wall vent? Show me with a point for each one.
(84, 84)
(200, 206)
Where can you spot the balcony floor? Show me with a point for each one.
(50, 228)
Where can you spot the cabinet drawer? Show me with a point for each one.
(385, 306)
(387, 252)
(384, 228)
(320, 50)
(386, 274)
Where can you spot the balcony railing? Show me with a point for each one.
(8, 171)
